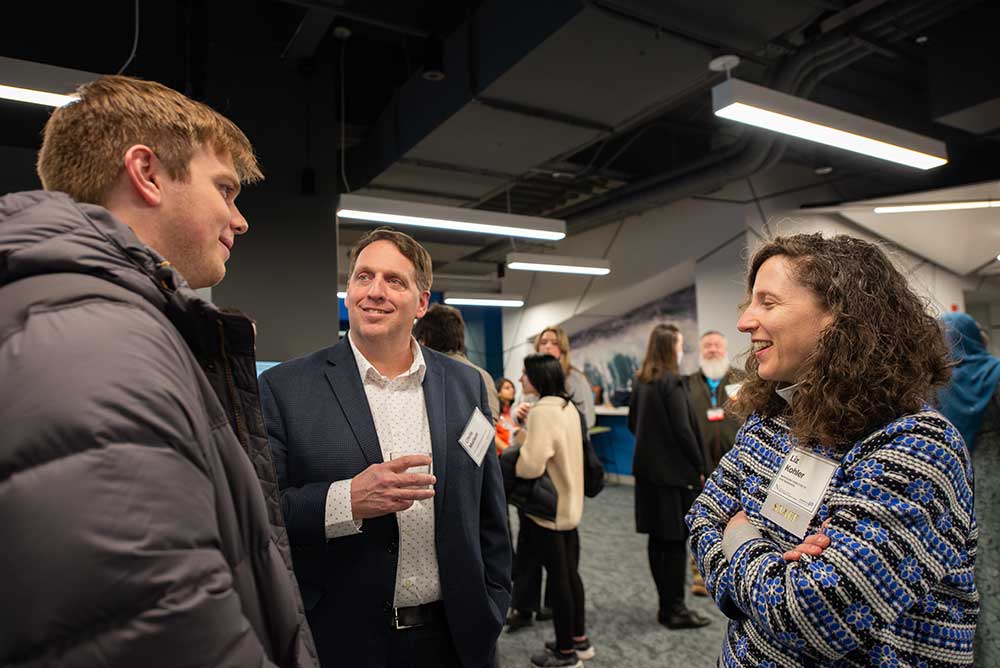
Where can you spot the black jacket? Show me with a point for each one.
(133, 523)
(720, 435)
(668, 448)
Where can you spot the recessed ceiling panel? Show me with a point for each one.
(433, 180)
(602, 69)
(497, 140)
(962, 241)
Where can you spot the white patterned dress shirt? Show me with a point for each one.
(400, 416)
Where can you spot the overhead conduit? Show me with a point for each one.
(754, 152)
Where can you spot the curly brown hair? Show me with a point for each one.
(882, 356)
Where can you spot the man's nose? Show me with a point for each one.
(239, 223)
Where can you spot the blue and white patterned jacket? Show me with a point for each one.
(894, 589)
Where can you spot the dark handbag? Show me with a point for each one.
(536, 496)
(593, 469)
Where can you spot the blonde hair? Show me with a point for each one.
(85, 141)
(562, 340)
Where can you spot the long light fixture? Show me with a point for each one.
(938, 206)
(562, 264)
(35, 96)
(395, 212)
(766, 108)
(483, 299)
(38, 83)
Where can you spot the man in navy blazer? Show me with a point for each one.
(398, 535)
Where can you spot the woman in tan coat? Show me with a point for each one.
(554, 445)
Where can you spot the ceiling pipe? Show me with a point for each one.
(753, 152)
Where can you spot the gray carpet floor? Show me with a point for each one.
(621, 600)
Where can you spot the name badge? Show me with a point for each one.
(477, 436)
(797, 491)
(715, 414)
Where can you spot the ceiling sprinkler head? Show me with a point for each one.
(724, 63)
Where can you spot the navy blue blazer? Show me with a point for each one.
(321, 430)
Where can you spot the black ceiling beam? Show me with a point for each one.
(452, 167)
(311, 31)
(630, 15)
(546, 114)
(335, 10)
(419, 192)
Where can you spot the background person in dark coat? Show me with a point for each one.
(972, 403)
(707, 388)
(669, 469)
(133, 525)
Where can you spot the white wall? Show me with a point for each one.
(719, 289)
(705, 242)
(941, 288)
(652, 255)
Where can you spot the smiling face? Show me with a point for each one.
(713, 347)
(785, 321)
(198, 221)
(382, 296)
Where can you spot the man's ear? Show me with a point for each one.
(144, 173)
(424, 303)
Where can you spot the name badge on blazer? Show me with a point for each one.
(477, 436)
(797, 491)
(715, 414)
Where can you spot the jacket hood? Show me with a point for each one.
(48, 232)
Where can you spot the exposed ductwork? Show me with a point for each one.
(754, 151)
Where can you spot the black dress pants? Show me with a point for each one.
(424, 646)
(560, 552)
(668, 562)
(526, 572)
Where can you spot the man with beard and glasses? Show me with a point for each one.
(707, 388)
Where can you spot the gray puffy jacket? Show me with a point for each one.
(133, 526)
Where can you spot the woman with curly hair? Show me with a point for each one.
(839, 531)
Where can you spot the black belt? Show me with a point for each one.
(417, 615)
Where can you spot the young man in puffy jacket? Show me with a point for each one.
(134, 525)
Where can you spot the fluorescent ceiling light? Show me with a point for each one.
(482, 299)
(562, 264)
(766, 108)
(35, 96)
(395, 212)
(38, 83)
(937, 206)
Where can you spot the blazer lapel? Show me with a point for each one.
(345, 381)
(437, 420)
